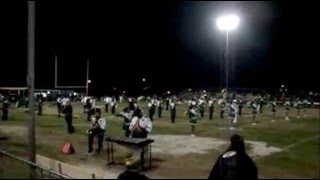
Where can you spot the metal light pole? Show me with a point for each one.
(227, 23)
(30, 82)
(227, 59)
(88, 81)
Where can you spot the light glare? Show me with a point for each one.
(229, 22)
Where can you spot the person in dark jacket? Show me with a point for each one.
(5, 109)
(172, 112)
(88, 109)
(159, 104)
(235, 163)
(40, 106)
(67, 111)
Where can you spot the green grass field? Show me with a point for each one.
(299, 138)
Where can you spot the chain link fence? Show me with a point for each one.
(14, 167)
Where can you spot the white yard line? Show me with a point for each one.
(300, 142)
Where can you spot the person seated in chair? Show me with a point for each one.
(98, 129)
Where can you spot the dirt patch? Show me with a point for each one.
(260, 149)
(180, 145)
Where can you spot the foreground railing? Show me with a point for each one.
(14, 167)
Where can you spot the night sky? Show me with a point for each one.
(174, 45)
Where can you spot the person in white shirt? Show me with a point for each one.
(98, 129)
(234, 110)
(140, 125)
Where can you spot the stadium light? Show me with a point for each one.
(227, 23)
(143, 79)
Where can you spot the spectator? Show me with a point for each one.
(234, 163)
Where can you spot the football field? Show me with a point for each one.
(281, 149)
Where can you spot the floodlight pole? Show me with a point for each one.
(55, 71)
(227, 59)
(87, 82)
(30, 81)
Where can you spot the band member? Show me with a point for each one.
(273, 109)
(167, 103)
(140, 125)
(261, 104)
(211, 108)
(5, 109)
(159, 104)
(113, 105)
(26, 104)
(193, 103)
(173, 111)
(131, 104)
(305, 106)
(88, 109)
(106, 103)
(67, 111)
(152, 109)
(287, 104)
(201, 107)
(189, 103)
(40, 107)
(298, 105)
(258, 102)
(222, 103)
(234, 109)
(254, 106)
(59, 106)
(240, 106)
(98, 129)
(126, 114)
(193, 119)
